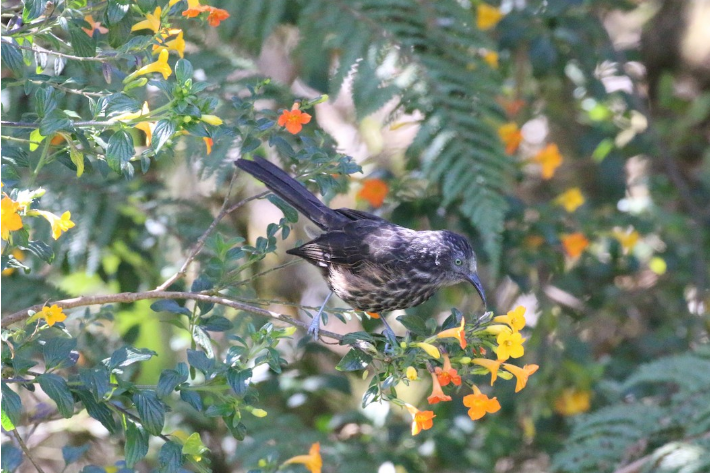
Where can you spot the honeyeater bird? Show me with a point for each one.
(370, 263)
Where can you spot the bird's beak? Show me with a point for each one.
(473, 278)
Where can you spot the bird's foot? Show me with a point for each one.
(314, 327)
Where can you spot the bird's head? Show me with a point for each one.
(460, 260)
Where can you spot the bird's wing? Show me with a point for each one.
(353, 214)
(333, 247)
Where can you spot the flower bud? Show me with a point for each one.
(412, 373)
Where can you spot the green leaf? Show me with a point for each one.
(239, 380)
(82, 44)
(54, 122)
(163, 131)
(370, 395)
(116, 10)
(72, 454)
(41, 250)
(216, 323)
(96, 381)
(289, 212)
(35, 139)
(128, 355)
(354, 360)
(97, 410)
(136, 444)
(250, 144)
(168, 381)
(199, 360)
(33, 9)
(192, 397)
(58, 391)
(12, 57)
(169, 305)
(203, 340)
(183, 71)
(11, 457)
(150, 410)
(11, 408)
(237, 429)
(56, 352)
(414, 324)
(77, 157)
(194, 446)
(170, 457)
(120, 150)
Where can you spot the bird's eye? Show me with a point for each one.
(458, 262)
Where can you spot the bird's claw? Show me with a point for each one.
(314, 327)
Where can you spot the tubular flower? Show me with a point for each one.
(487, 16)
(572, 401)
(430, 349)
(437, 394)
(211, 119)
(521, 374)
(216, 16)
(511, 136)
(480, 404)
(571, 199)
(627, 239)
(514, 318)
(458, 333)
(95, 25)
(151, 22)
(52, 314)
(549, 159)
(447, 374)
(374, 192)
(510, 345)
(208, 144)
(177, 44)
(11, 221)
(412, 373)
(59, 224)
(498, 329)
(313, 461)
(294, 119)
(490, 365)
(421, 420)
(161, 66)
(574, 244)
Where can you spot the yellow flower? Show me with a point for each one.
(161, 66)
(511, 136)
(211, 119)
(11, 221)
(627, 239)
(487, 16)
(177, 44)
(491, 58)
(479, 404)
(313, 461)
(574, 244)
(498, 329)
(458, 333)
(510, 345)
(412, 373)
(549, 159)
(430, 349)
(490, 365)
(421, 420)
(52, 314)
(521, 374)
(59, 224)
(126, 117)
(571, 199)
(515, 318)
(572, 402)
(151, 22)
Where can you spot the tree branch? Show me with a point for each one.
(127, 297)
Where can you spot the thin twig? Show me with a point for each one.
(24, 448)
(127, 297)
(40, 49)
(74, 124)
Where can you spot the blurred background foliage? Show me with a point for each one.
(607, 99)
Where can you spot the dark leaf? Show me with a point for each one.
(150, 410)
(250, 144)
(216, 323)
(370, 396)
(163, 131)
(82, 44)
(98, 410)
(72, 454)
(136, 444)
(169, 305)
(239, 380)
(11, 406)
(41, 250)
(58, 391)
(12, 57)
(354, 360)
(33, 9)
(56, 352)
(198, 359)
(170, 457)
(128, 355)
(11, 457)
(414, 324)
(183, 71)
(168, 381)
(289, 212)
(120, 150)
(116, 11)
(202, 284)
(54, 122)
(193, 398)
(96, 381)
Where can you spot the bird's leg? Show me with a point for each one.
(314, 328)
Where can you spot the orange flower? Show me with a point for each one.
(490, 365)
(208, 144)
(373, 315)
(549, 159)
(574, 244)
(457, 332)
(511, 136)
(95, 25)
(421, 420)
(313, 461)
(447, 374)
(374, 191)
(216, 16)
(572, 401)
(521, 374)
(437, 395)
(294, 119)
(479, 404)
(511, 106)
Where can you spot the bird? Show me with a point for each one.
(370, 263)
